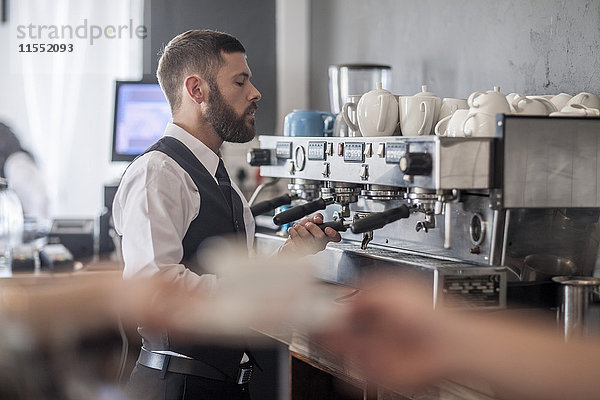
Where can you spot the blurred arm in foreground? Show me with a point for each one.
(59, 334)
(257, 290)
(47, 322)
(59, 309)
(399, 341)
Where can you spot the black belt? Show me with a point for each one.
(187, 366)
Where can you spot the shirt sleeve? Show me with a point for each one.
(154, 206)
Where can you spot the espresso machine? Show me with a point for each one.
(464, 213)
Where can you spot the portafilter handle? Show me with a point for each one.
(380, 219)
(269, 205)
(339, 225)
(297, 212)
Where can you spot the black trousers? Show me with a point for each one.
(148, 384)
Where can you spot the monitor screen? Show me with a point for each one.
(141, 115)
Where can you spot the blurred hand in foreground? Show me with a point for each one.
(393, 335)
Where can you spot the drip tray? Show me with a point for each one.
(453, 284)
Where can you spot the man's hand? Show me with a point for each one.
(307, 238)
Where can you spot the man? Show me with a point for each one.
(178, 194)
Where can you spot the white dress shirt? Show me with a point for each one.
(153, 208)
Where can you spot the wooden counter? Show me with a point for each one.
(81, 268)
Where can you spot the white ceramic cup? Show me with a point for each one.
(490, 102)
(441, 128)
(510, 97)
(417, 115)
(451, 125)
(455, 125)
(349, 114)
(449, 106)
(479, 124)
(576, 110)
(585, 99)
(532, 106)
(546, 101)
(561, 100)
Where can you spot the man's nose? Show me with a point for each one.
(255, 94)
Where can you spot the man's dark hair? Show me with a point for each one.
(193, 52)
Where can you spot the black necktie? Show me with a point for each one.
(224, 182)
(233, 200)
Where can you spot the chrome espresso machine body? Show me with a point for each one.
(465, 212)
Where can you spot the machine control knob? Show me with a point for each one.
(381, 150)
(368, 150)
(415, 163)
(364, 172)
(257, 157)
(326, 170)
(291, 167)
(329, 149)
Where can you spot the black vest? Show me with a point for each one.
(215, 218)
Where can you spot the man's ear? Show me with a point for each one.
(196, 88)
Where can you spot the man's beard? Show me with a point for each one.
(225, 121)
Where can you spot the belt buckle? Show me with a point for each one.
(244, 375)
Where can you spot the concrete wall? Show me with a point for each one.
(460, 46)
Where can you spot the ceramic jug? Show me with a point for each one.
(377, 113)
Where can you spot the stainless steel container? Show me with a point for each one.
(543, 267)
(577, 293)
(349, 79)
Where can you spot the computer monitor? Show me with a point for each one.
(141, 115)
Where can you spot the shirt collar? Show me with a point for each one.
(205, 155)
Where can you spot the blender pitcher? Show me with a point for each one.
(351, 79)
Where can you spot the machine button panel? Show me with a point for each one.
(354, 152)
(283, 150)
(394, 152)
(316, 150)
